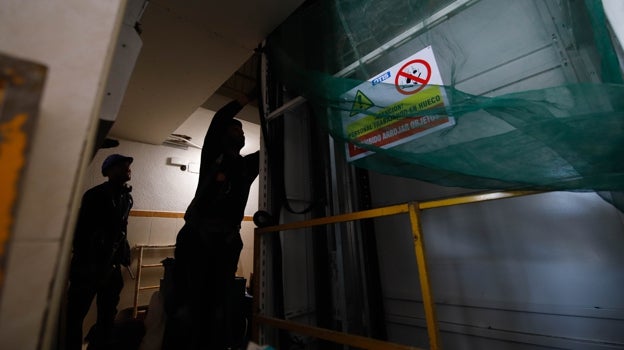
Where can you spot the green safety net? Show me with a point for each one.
(558, 127)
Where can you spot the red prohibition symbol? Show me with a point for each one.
(412, 77)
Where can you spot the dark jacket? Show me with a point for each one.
(100, 238)
(224, 181)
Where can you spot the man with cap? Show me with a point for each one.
(100, 248)
(209, 244)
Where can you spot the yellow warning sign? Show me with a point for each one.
(429, 98)
(361, 103)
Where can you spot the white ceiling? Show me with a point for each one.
(190, 48)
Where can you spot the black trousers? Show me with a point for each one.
(205, 266)
(83, 288)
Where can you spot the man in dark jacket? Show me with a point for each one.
(100, 247)
(209, 245)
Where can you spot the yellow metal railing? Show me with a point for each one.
(413, 209)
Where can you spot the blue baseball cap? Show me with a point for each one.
(114, 159)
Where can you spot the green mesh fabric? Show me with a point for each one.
(560, 135)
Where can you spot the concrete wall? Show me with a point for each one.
(74, 39)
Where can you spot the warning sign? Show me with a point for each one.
(412, 77)
(401, 93)
(361, 103)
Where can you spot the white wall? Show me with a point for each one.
(74, 39)
(614, 9)
(158, 186)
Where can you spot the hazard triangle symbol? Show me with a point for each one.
(360, 104)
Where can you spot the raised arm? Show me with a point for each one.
(212, 147)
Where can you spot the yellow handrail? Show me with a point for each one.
(413, 209)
